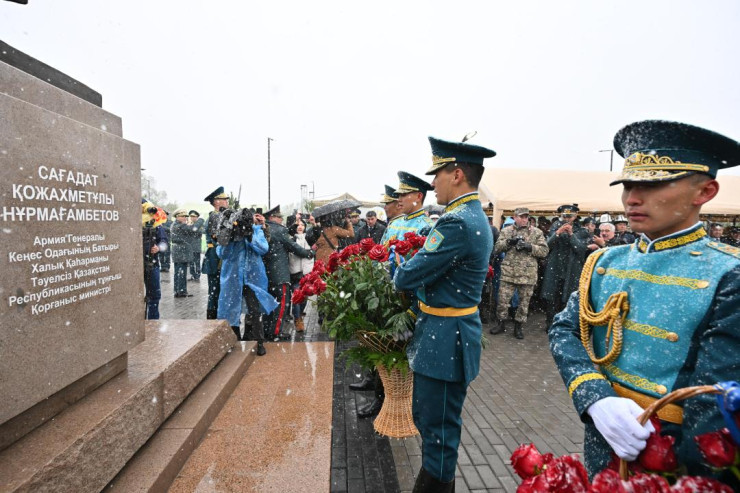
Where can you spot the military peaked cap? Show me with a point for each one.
(658, 150)
(390, 195)
(216, 194)
(568, 209)
(445, 152)
(275, 211)
(409, 183)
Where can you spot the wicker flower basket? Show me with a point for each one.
(676, 395)
(395, 419)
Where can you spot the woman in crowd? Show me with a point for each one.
(333, 227)
(299, 267)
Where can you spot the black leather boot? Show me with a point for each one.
(372, 407)
(498, 329)
(237, 332)
(518, 333)
(367, 382)
(426, 483)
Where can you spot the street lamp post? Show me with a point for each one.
(268, 172)
(611, 158)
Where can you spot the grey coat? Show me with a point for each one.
(182, 237)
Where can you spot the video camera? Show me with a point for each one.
(234, 225)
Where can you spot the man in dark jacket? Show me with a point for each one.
(182, 253)
(372, 228)
(278, 271)
(198, 226)
(568, 245)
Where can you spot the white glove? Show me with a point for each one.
(616, 420)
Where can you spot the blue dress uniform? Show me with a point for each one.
(447, 275)
(679, 297)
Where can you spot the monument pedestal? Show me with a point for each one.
(85, 446)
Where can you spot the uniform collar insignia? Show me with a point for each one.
(675, 240)
(462, 199)
(415, 214)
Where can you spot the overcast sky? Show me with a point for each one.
(349, 91)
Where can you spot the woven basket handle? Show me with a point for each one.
(676, 395)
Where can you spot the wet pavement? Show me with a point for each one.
(517, 398)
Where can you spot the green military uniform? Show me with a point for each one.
(447, 276)
(523, 246)
(678, 297)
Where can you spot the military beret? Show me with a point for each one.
(445, 152)
(658, 150)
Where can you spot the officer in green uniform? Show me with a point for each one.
(211, 263)
(660, 314)
(392, 213)
(447, 276)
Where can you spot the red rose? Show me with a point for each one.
(658, 455)
(333, 263)
(319, 267)
(648, 483)
(403, 247)
(366, 244)
(308, 278)
(535, 484)
(717, 448)
(566, 474)
(527, 461)
(319, 286)
(415, 240)
(378, 253)
(697, 484)
(309, 289)
(607, 481)
(298, 297)
(348, 251)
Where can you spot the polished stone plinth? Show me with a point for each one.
(71, 290)
(85, 446)
(274, 433)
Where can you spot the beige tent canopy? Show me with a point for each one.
(543, 191)
(344, 196)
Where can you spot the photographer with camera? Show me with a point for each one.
(154, 244)
(241, 245)
(523, 244)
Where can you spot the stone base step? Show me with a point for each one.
(158, 462)
(85, 446)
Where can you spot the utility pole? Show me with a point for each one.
(611, 158)
(269, 206)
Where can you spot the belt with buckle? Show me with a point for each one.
(670, 412)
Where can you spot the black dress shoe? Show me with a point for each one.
(518, 333)
(367, 383)
(370, 409)
(261, 351)
(188, 295)
(180, 295)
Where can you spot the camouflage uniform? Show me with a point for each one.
(519, 268)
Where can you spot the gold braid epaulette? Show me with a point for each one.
(613, 314)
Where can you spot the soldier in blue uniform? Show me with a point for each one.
(411, 194)
(211, 262)
(392, 213)
(662, 313)
(447, 277)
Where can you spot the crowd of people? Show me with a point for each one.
(655, 279)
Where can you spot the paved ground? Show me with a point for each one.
(517, 398)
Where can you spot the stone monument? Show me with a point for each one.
(72, 280)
